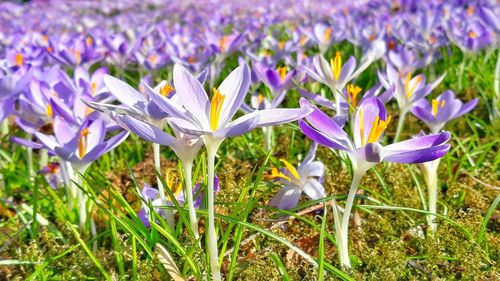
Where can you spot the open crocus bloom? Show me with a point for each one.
(407, 89)
(80, 146)
(441, 110)
(365, 149)
(307, 178)
(152, 194)
(196, 115)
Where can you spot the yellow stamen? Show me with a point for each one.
(89, 41)
(88, 110)
(19, 59)
(78, 57)
(93, 88)
(45, 39)
(281, 45)
(82, 142)
(290, 168)
(327, 35)
(378, 127)
(50, 113)
(216, 108)
(282, 72)
(435, 107)
(275, 173)
(470, 11)
(336, 65)
(352, 93)
(166, 90)
(153, 59)
(371, 38)
(409, 90)
(222, 43)
(472, 34)
(303, 40)
(191, 60)
(260, 98)
(53, 168)
(443, 103)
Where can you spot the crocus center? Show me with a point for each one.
(275, 173)
(436, 104)
(49, 111)
(216, 109)
(377, 129)
(153, 59)
(303, 40)
(336, 65)
(260, 99)
(93, 88)
(19, 59)
(223, 43)
(166, 90)
(53, 168)
(470, 11)
(290, 168)
(191, 60)
(472, 34)
(282, 72)
(352, 93)
(281, 45)
(88, 110)
(409, 89)
(175, 190)
(327, 35)
(82, 142)
(78, 57)
(89, 41)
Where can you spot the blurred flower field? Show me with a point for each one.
(249, 140)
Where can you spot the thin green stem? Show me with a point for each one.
(193, 220)
(212, 235)
(401, 123)
(169, 216)
(344, 248)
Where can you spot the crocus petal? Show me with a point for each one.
(192, 93)
(419, 149)
(235, 88)
(123, 91)
(286, 198)
(277, 116)
(314, 189)
(240, 126)
(273, 79)
(146, 131)
(466, 108)
(319, 137)
(346, 72)
(323, 123)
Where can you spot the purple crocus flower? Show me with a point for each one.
(80, 146)
(52, 174)
(441, 110)
(151, 196)
(365, 150)
(307, 178)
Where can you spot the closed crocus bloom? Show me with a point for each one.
(441, 110)
(306, 178)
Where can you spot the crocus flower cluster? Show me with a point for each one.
(68, 81)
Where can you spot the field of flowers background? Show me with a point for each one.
(249, 140)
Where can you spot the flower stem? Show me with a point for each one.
(268, 134)
(496, 86)
(29, 159)
(432, 190)
(5, 127)
(169, 215)
(344, 243)
(401, 123)
(188, 167)
(212, 235)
